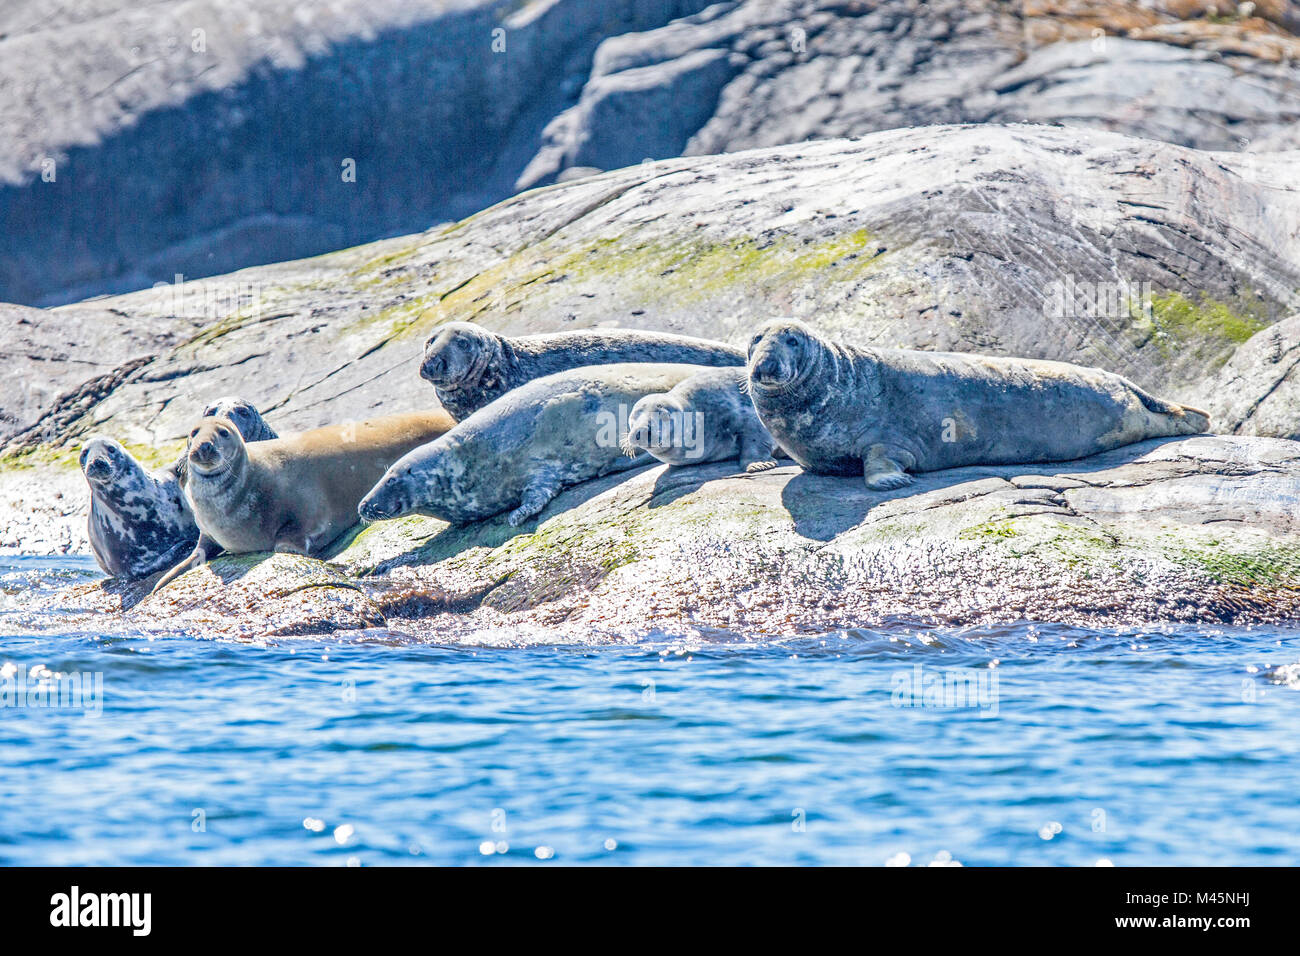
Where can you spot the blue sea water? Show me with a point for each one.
(1063, 746)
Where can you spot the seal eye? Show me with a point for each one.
(193, 433)
(790, 341)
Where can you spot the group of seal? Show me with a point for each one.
(524, 418)
(295, 494)
(520, 451)
(140, 522)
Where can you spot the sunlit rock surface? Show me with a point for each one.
(1258, 391)
(1151, 260)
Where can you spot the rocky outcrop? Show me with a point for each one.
(1200, 529)
(1258, 391)
(1147, 259)
(765, 73)
(195, 137)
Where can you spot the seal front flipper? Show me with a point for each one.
(756, 456)
(883, 473)
(536, 496)
(203, 552)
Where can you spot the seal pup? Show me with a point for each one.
(470, 366)
(295, 494)
(524, 448)
(708, 417)
(139, 521)
(881, 413)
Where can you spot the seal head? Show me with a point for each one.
(653, 426)
(244, 415)
(782, 355)
(215, 448)
(456, 356)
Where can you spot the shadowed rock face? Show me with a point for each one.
(199, 136)
(194, 137)
(1197, 529)
(782, 71)
(1146, 259)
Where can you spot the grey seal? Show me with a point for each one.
(295, 494)
(881, 413)
(470, 366)
(524, 448)
(708, 417)
(139, 521)
(244, 415)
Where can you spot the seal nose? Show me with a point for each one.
(98, 467)
(766, 368)
(372, 510)
(204, 451)
(431, 369)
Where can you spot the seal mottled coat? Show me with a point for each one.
(470, 366)
(139, 521)
(708, 417)
(880, 413)
(296, 494)
(524, 448)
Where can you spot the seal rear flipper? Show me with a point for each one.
(883, 473)
(536, 496)
(1192, 421)
(203, 552)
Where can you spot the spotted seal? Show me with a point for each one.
(470, 366)
(708, 417)
(296, 494)
(139, 522)
(881, 413)
(525, 447)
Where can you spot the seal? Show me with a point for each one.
(139, 521)
(245, 416)
(708, 417)
(525, 447)
(881, 413)
(295, 494)
(470, 366)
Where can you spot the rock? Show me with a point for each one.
(61, 363)
(1201, 529)
(200, 136)
(1150, 259)
(1147, 259)
(1258, 391)
(784, 71)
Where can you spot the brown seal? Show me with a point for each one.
(296, 494)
